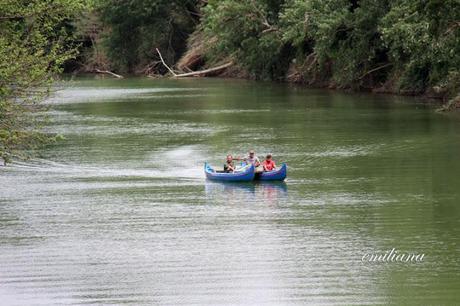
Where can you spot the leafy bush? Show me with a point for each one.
(247, 31)
(423, 41)
(353, 43)
(34, 43)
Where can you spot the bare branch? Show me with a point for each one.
(164, 64)
(203, 72)
(374, 70)
(12, 17)
(110, 73)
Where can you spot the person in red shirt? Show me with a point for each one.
(268, 163)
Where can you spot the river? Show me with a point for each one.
(119, 212)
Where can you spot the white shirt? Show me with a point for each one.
(253, 160)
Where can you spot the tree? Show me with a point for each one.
(34, 43)
(423, 42)
(357, 44)
(137, 27)
(248, 32)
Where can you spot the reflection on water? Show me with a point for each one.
(74, 95)
(239, 193)
(120, 212)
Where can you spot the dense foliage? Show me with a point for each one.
(406, 44)
(247, 30)
(135, 28)
(394, 45)
(423, 41)
(34, 43)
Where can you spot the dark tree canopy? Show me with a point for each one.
(137, 27)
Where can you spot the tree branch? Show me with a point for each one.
(164, 64)
(203, 72)
(12, 17)
(110, 73)
(374, 70)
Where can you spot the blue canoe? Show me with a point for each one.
(275, 175)
(246, 174)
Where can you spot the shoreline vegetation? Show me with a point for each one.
(406, 47)
(35, 43)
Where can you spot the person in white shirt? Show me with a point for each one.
(252, 159)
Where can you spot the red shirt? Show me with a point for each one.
(269, 165)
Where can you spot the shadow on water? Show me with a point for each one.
(250, 192)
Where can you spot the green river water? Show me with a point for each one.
(120, 212)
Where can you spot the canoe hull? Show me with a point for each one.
(275, 175)
(246, 175)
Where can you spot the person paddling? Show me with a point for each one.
(269, 164)
(229, 166)
(251, 159)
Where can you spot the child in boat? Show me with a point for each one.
(268, 163)
(229, 166)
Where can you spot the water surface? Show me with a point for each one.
(120, 213)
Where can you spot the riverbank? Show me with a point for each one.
(402, 47)
(441, 102)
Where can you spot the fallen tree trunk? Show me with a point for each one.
(203, 72)
(109, 73)
(193, 73)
